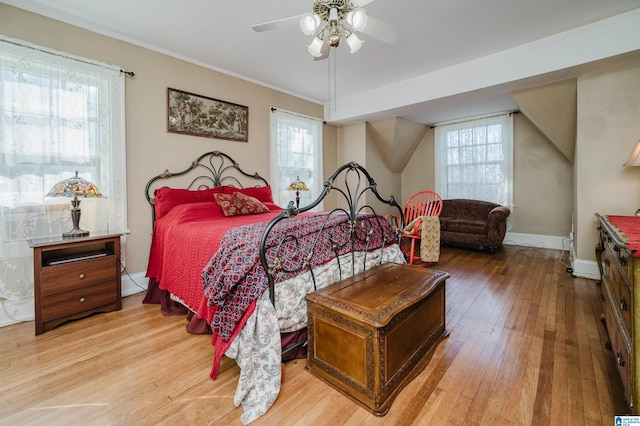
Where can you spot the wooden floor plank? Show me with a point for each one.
(526, 347)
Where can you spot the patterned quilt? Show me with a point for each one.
(234, 278)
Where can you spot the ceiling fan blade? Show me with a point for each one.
(278, 23)
(380, 30)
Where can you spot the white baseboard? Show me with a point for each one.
(134, 283)
(535, 240)
(580, 268)
(587, 269)
(16, 311)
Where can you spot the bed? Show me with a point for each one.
(239, 266)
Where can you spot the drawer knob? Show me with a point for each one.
(82, 300)
(81, 276)
(619, 359)
(602, 298)
(623, 304)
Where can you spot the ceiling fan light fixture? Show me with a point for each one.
(357, 19)
(309, 23)
(333, 14)
(315, 48)
(354, 42)
(334, 34)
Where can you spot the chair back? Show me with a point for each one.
(423, 203)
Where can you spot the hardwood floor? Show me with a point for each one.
(526, 347)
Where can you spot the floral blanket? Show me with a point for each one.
(257, 348)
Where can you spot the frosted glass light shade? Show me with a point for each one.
(354, 42)
(309, 23)
(357, 19)
(634, 159)
(315, 48)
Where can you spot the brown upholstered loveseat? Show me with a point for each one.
(474, 223)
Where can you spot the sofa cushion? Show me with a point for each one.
(466, 226)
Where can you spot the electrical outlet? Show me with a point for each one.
(571, 235)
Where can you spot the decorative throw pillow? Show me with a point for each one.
(252, 204)
(229, 204)
(239, 204)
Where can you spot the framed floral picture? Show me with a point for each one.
(198, 115)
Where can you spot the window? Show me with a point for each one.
(296, 153)
(474, 159)
(58, 114)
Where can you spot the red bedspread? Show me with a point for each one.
(184, 241)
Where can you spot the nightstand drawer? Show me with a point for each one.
(60, 305)
(69, 276)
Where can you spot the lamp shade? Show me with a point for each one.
(309, 22)
(297, 185)
(315, 48)
(354, 42)
(74, 187)
(634, 159)
(357, 19)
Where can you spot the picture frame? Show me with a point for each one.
(197, 115)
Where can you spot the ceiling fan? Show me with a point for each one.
(333, 20)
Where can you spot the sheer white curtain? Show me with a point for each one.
(58, 114)
(474, 159)
(296, 152)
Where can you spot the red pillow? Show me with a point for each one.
(239, 204)
(262, 193)
(167, 198)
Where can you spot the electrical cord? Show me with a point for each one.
(122, 268)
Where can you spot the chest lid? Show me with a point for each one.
(376, 295)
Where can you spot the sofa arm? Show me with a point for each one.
(498, 214)
(497, 225)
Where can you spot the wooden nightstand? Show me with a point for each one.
(75, 277)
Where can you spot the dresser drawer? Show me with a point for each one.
(68, 276)
(80, 299)
(621, 296)
(620, 348)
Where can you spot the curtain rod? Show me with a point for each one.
(465, 120)
(28, 45)
(273, 109)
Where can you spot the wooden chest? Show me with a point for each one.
(371, 334)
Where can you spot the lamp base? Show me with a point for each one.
(75, 233)
(75, 218)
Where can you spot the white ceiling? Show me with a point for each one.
(453, 58)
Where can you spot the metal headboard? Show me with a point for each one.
(356, 183)
(211, 169)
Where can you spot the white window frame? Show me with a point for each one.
(474, 159)
(296, 151)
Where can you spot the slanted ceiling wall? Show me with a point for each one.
(553, 110)
(396, 140)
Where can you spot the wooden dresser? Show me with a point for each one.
(74, 278)
(616, 253)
